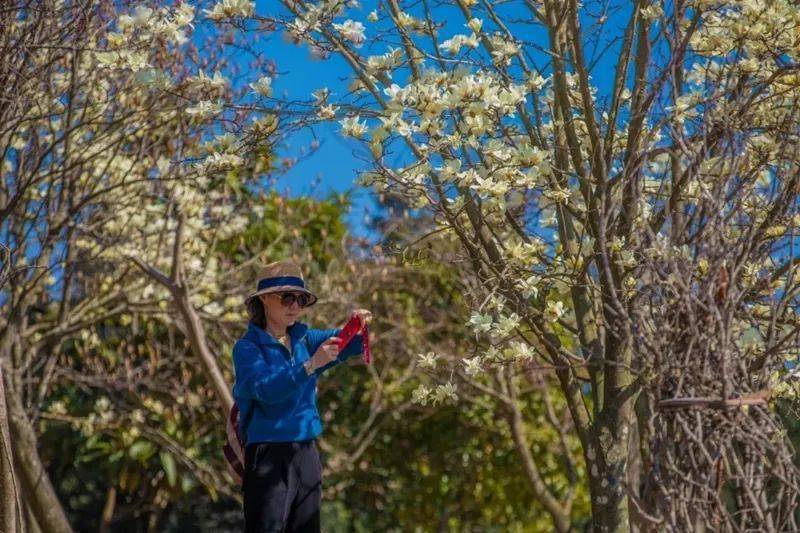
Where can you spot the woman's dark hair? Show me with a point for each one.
(255, 310)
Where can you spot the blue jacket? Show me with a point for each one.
(277, 399)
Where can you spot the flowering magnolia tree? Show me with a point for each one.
(117, 188)
(635, 246)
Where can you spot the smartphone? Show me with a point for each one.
(353, 327)
(350, 330)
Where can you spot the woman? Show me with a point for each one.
(277, 364)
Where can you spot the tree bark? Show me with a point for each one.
(11, 518)
(32, 526)
(607, 462)
(34, 480)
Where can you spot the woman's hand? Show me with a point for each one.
(326, 353)
(364, 314)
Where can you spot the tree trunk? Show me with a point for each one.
(607, 462)
(33, 477)
(11, 518)
(32, 526)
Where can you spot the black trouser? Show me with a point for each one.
(282, 486)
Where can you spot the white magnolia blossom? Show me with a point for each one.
(214, 308)
(503, 49)
(215, 84)
(453, 45)
(141, 16)
(137, 416)
(205, 109)
(529, 286)
(536, 81)
(353, 127)
(554, 310)
(321, 95)
(224, 142)
(475, 24)
(386, 62)
(492, 354)
(132, 148)
(218, 162)
(57, 408)
(166, 187)
(406, 20)
(505, 325)
(102, 404)
(480, 323)
(263, 86)
(450, 169)
(172, 25)
(312, 18)
(559, 194)
(327, 112)
(496, 302)
(521, 351)
(421, 395)
(526, 253)
(428, 360)
(230, 9)
(184, 14)
(488, 186)
(652, 12)
(352, 31)
(616, 244)
(263, 125)
(443, 393)
(472, 366)
(123, 59)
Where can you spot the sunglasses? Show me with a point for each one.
(288, 298)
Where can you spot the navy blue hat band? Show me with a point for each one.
(281, 280)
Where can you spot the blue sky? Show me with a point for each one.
(333, 167)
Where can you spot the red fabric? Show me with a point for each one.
(353, 327)
(367, 355)
(234, 448)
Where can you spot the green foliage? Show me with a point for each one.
(280, 226)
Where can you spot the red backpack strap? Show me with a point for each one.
(234, 447)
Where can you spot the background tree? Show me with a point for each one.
(89, 133)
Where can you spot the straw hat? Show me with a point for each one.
(281, 276)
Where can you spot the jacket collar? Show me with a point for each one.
(260, 336)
